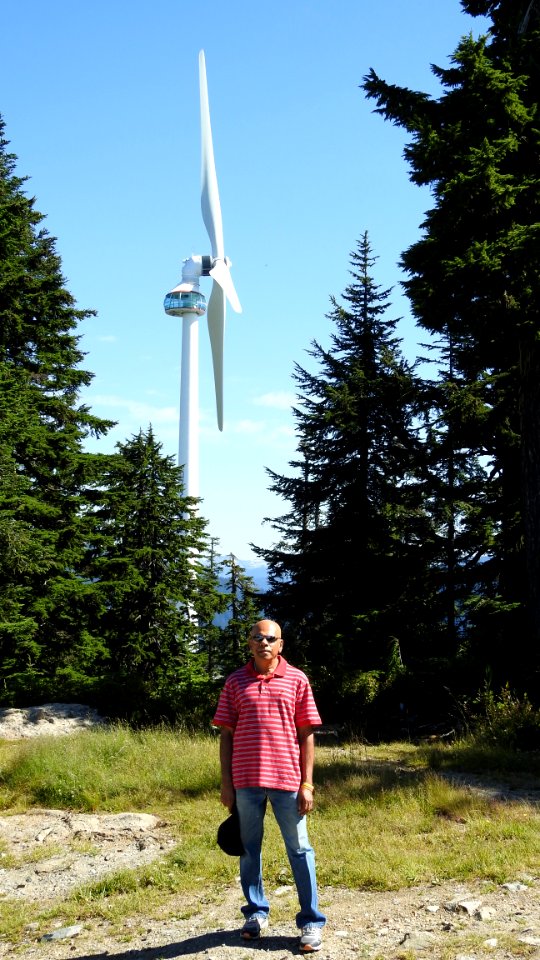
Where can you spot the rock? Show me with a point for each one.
(531, 941)
(112, 823)
(419, 940)
(485, 913)
(64, 933)
(463, 906)
(515, 887)
(491, 942)
(49, 719)
(281, 891)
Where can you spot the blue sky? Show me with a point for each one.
(101, 107)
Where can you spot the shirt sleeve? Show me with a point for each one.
(226, 714)
(306, 713)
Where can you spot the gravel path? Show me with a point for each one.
(441, 922)
(450, 921)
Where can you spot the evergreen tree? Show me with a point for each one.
(145, 561)
(243, 608)
(45, 644)
(340, 575)
(474, 278)
(211, 589)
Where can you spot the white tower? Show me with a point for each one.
(186, 301)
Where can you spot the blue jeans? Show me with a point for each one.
(251, 804)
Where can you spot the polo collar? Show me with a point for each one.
(280, 670)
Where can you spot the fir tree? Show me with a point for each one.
(473, 277)
(145, 562)
(45, 644)
(339, 576)
(243, 608)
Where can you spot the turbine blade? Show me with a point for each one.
(216, 329)
(210, 205)
(221, 273)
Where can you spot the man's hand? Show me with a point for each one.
(228, 796)
(305, 800)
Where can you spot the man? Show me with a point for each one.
(267, 714)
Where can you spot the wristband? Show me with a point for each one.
(308, 786)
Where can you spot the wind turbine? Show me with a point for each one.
(186, 301)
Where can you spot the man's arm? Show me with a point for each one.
(306, 739)
(225, 758)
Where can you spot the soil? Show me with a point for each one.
(447, 921)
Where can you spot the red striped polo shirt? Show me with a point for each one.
(265, 710)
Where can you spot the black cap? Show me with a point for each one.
(228, 835)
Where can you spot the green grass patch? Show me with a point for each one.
(110, 770)
(471, 756)
(385, 818)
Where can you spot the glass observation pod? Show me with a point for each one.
(176, 304)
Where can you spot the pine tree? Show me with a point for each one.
(45, 644)
(145, 562)
(243, 608)
(340, 574)
(473, 277)
(216, 602)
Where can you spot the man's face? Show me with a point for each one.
(265, 641)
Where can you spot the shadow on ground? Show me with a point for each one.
(197, 945)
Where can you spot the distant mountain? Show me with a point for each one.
(257, 571)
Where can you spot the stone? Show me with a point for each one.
(419, 940)
(464, 906)
(485, 913)
(515, 887)
(52, 719)
(63, 933)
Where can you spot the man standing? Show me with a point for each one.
(267, 715)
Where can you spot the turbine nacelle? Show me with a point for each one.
(196, 266)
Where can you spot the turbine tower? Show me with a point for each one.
(186, 301)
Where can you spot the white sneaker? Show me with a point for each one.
(253, 927)
(310, 938)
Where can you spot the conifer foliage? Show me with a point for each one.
(473, 278)
(44, 473)
(341, 571)
(106, 591)
(145, 567)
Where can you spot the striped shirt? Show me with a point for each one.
(264, 711)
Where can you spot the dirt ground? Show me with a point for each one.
(450, 921)
(55, 851)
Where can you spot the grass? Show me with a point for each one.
(385, 818)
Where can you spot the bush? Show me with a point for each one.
(505, 719)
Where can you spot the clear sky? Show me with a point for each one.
(101, 106)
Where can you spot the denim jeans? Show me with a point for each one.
(251, 804)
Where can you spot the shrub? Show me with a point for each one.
(506, 719)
